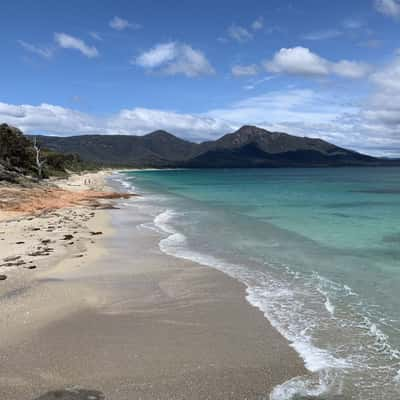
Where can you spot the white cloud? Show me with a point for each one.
(351, 69)
(239, 33)
(96, 36)
(301, 61)
(56, 120)
(258, 24)
(383, 106)
(245, 70)
(390, 8)
(388, 78)
(174, 58)
(323, 35)
(71, 42)
(45, 52)
(158, 55)
(47, 118)
(298, 61)
(142, 120)
(119, 24)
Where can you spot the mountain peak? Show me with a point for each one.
(159, 133)
(251, 130)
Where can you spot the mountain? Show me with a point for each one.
(157, 149)
(255, 147)
(249, 146)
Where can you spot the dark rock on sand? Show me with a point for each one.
(31, 267)
(96, 233)
(3, 277)
(44, 252)
(13, 264)
(11, 258)
(72, 394)
(68, 237)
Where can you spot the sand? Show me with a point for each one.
(114, 315)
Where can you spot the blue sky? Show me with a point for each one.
(199, 69)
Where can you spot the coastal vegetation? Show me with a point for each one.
(23, 159)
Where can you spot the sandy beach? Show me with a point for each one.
(105, 314)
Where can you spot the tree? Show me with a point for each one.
(39, 160)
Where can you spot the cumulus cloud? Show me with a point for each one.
(239, 33)
(70, 42)
(389, 8)
(175, 58)
(383, 106)
(302, 61)
(298, 61)
(245, 70)
(47, 118)
(55, 120)
(258, 24)
(142, 120)
(45, 52)
(119, 24)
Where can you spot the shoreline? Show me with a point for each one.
(142, 324)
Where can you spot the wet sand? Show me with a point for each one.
(133, 323)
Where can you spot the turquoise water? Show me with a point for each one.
(319, 251)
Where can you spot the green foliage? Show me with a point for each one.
(16, 150)
(17, 154)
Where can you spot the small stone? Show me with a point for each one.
(11, 258)
(68, 237)
(3, 277)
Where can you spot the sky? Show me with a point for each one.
(200, 69)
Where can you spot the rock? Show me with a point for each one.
(31, 267)
(72, 394)
(19, 242)
(11, 258)
(96, 233)
(39, 253)
(68, 237)
(3, 277)
(13, 264)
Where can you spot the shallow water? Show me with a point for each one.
(319, 251)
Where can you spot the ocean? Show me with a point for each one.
(319, 253)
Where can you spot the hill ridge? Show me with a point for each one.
(248, 146)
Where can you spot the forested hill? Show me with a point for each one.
(18, 162)
(249, 146)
